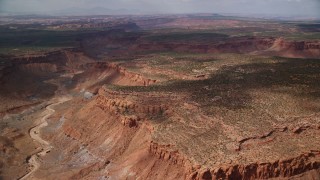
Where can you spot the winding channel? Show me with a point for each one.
(35, 135)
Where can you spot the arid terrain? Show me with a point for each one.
(200, 96)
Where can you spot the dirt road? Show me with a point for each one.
(35, 135)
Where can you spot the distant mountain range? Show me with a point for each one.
(107, 11)
(77, 12)
(95, 11)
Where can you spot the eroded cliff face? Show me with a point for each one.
(28, 80)
(135, 78)
(236, 45)
(117, 44)
(295, 49)
(114, 133)
(254, 45)
(143, 135)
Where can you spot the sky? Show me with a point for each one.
(310, 8)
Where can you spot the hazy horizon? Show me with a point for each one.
(287, 8)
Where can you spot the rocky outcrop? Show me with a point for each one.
(119, 102)
(294, 49)
(164, 153)
(130, 121)
(305, 165)
(281, 43)
(279, 169)
(129, 111)
(134, 77)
